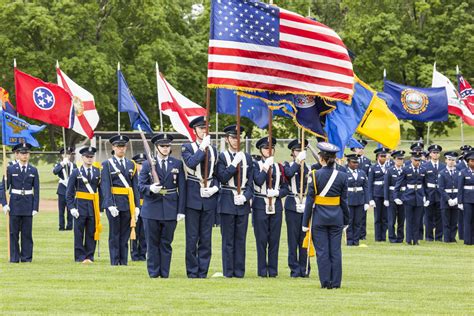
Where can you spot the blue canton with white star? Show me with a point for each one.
(245, 21)
(44, 98)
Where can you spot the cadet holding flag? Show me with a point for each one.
(466, 197)
(364, 164)
(63, 170)
(448, 190)
(432, 218)
(138, 246)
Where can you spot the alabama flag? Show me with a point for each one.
(86, 117)
(180, 109)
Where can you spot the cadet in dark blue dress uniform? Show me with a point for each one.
(163, 206)
(82, 196)
(294, 209)
(466, 198)
(120, 198)
(395, 212)
(357, 198)
(418, 147)
(138, 246)
(326, 212)
(233, 207)
(432, 216)
(201, 199)
(23, 184)
(376, 178)
(63, 170)
(448, 190)
(364, 165)
(267, 208)
(461, 165)
(413, 197)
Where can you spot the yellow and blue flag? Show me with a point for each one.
(16, 130)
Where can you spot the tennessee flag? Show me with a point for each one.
(42, 101)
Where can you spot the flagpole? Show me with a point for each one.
(302, 168)
(208, 113)
(271, 210)
(64, 130)
(7, 197)
(158, 95)
(238, 142)
(118, 107)
(462, 120)
(217, 129)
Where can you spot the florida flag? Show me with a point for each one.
(180, 109)
(42, 101)
(86, 117)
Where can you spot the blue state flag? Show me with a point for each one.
(418, 104)
(128, 103)
(16, 130)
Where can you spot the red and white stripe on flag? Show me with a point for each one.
(180, 109)
(256, 46)
(86, 116)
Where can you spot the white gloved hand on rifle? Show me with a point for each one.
(208, 192)
(34, 212)
(6, 209)
(239, 199)
(426, 202)
(386, 203)
(301, 156)
(206, 142)
(372, 203)
(300, 208)
(304, 229)
(366, 207)
(238, 158)
(155, 188)
(398, 201)
(137, 212)
(271, 193)
(75, 213)
(461, 207)
(113, 211)
(180, 217)
(268, 163)
(64, 162)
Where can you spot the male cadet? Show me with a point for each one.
(120, 198)
(413, 198)
(466, 197)
(294, 209)
(395, 212)
(364, 164)
(138, 246)
(357, 198)
(432, 216)
(163, 206)
(267, 208)
(448, 190)
(417, 146)
(63, 170)
(376, 178)
(201, 199)
(461, 165)
(82, 197)
(24, 186)
(233, 203)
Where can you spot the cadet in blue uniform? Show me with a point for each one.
(201, 199)
(138, 246)
(448, 190)
(294, 209)
(232, 205)
(395, 212)
(466, 198)
(82, 196)
(461, 165)
(120, 198)
(418, 147)
(326, 212)
(63, 170)
(413, 197)
(267, 208)
(364, 165)
(432, 216)
(23, 184)
(376, 177)
(163, 206)
(357, 198)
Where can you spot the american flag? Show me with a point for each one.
(257, 46)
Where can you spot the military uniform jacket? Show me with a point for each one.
(413, 182)
(59, 171)
(376, 178)
(461, 165)
(18, 182)
(261, 184)
(166, 205)
(110, 178)
(364, 164)
(447, 186)
(357, 189)
(337, 166)
(431, 180)
(390, 180)
(327, 214)
(227, 176)
(466, 186)
(292, 172)
(77, 183)
(194, 163)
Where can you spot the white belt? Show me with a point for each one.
(414, 186)
(22, 192)
(451, 190)
(392, 188)
(431, 185)
(378, 182)
(355, 189)
(469, 187)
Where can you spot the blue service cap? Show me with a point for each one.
(451, 155)
(162, 139)
(85, 151)
(232, 130)
(327, 147)
(22, 147)
(352, 157)
(296, 144)
(69, 150)
(262, 142)
(118, 140)
(381, 151)
(469, 155)
(198, 121)
(398, 153)
(139, 158)
(435, 148)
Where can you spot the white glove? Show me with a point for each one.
(300, 208)
(451, 202)
(6, 209)
(301, 156)
(304, 229)
(461, 207)
(64, 162)
(208, 192)
(239, 199)
(273, 193)
(180, 217)
(426, 202)
(455, 201)
(386, 203)
(366, 207)
(137, 212)
(113, 211)
(398, 201)
(268, 163)
(155, 188)
(372, 203)
(75, 213)
(34, 213)
(238, 158)
(206, 141)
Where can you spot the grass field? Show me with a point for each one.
(433, 278)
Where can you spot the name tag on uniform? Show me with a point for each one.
(14, 174)
(362, 178)
(32, 175)
(468, 178)
(410, 174)
(394, 175)
(377, 171)
(429, 171)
